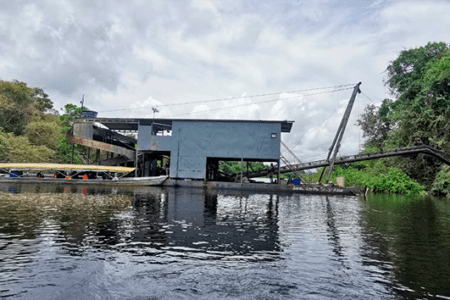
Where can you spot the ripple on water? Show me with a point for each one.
(183, 243)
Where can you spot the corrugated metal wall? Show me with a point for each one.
(194, 141)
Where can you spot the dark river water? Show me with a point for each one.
(61, 242)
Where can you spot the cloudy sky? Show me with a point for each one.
(265, 59)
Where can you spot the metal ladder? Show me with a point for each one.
(289, 158)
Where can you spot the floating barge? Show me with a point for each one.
(187, 152)
(163, 181)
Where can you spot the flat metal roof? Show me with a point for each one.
(132, 123)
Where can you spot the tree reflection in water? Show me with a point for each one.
(232, 243)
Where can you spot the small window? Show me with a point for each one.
(274, 135)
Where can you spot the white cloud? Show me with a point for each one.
(205, 6)
(158, 61)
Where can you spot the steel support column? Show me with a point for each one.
(242, 168)
(73, 150)
(278, 173)
(136, 164)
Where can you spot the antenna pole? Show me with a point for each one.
(155, 110)
(82, 103)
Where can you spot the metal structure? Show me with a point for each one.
(192, 146)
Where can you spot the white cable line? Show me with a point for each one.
(232, 98)
(367, 97)
(359, 131)
(312, 130)
(272, 100)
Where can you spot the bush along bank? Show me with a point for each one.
(441, 183)
(394, 181)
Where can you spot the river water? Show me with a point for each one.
(61, 242)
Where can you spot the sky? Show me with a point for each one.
(258, 60)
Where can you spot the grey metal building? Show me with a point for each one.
(191, 144)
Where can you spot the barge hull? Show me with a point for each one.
(265, 187)
(211, 185)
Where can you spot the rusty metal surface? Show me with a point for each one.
(104, 146)
(85, 130)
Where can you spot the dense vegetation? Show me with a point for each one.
(377, 176)
(31, 131)
(419, 113)
(235, 167)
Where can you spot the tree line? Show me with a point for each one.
(418, 112)
(31, 130)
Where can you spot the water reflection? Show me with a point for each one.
(194, 243)
(150, 221)
(334, 235)
(414, 234)
(229, 224)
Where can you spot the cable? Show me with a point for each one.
(324, 155)
(367, 97)
(312, 130)
(273, 100)
(232, 98)
(359, 132)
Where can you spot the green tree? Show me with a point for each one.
(41, 101)
(419, 79)
(421, 114)
(31, 130)
(64, 150)
(376, 124)
(71, 112)
(427, 116)
(405, 73)
(19, 104)
(441, 184)
(19, 149)
(44, 133)
(16, 106)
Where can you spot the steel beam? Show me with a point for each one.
(336, 144)
(104, 146)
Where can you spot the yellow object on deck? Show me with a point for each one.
(94, 168)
